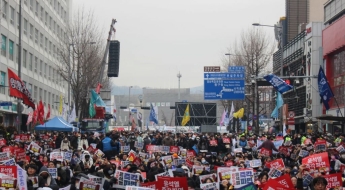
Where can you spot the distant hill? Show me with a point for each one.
(123, 90)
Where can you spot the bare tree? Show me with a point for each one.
(81, 55)
(253, 50)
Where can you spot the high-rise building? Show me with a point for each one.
(43, 26)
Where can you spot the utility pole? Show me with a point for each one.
(179, 89)
(19, 111)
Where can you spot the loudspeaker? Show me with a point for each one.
(114, 59)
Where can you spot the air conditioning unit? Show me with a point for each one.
(305, 111)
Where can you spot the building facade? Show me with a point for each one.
(43, 28)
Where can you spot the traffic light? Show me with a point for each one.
(114, 58)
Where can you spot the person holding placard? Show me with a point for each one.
(47, 179)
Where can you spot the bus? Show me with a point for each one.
(93, 125)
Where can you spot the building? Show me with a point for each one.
(333, 43)
(43, 27)
(299, 13)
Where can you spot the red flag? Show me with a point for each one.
(48, 114)
(98, 89)
(34, 116)
(29, 118)
(134, 125)
(40, 116)
(18, 89)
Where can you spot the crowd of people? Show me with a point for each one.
(153, 153)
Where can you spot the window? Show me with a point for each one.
(2, 82)
(4, 9)
(53, 101)
(49, 99)
(54, 52)
(41, 41)
(3, 45)
(37, 8)
(46, 19)
(49, 69)
(35, 92)
(25, 26)
(36, 36)
(45, 97)
(29, 87)
(53, 73)
(45, 70)
(18, 19)
(31, 4)
(24, 57)
(17, 53)
(45, 43)
(41, 67)
(36, 64)
(31, 57)
(31, 31)
(54, 26)
(12, 12)
(50, 22)
(42, 13)
(50, 47)
(40, 94)
(11, 49)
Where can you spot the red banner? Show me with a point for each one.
(213, 142)
(190, 153)
(284, 150)
(22, 137)
(265, 152)
(317, 161)
(2, 142)
(334, 180)
(20, 155)
(285, 180)
(174, 149)
(9, 149)
(229, 163)
(273, 184)
(320, 145)
(276, 164)
(151, 185)
(18, 89)
(170, 183)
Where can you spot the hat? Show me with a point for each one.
(175, 155)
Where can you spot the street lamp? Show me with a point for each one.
(129, 100)
(281, 61)
(229, 57)
(179, 77)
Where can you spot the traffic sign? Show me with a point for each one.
(211, 68)
(224, 89)
(225, 86)
(291, 120)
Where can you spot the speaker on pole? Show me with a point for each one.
(114, 59)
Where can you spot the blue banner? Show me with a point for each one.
(278, 83)
(324, 89)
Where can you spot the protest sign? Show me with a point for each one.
(53, 172)
(238, 150)
(242, 177)
(224, 173)
(249, 186)
(99, 153)
(303, 153)
(340, 149)
(22, 178)
(274, 185)
(67, 156)
(277, 164)
(170, 183)
(204, 178)
(137, 188)
(334, 180)
(151, 185)
(320, 146)
(167, 160)
(265, 152)
(190, 153)
(229, 163)
(34, 181)
(226, 140)
(165, 149)
(34, 147)
(253, 163)
(183, 153)
(9, 170)
(318, 162)
(124, 164)
(208, 186)
(66, 188)
(86, 184)
(125, 148)
(307, 179)
(20, 155)
(10, 162)
(285, 180)
(139, 145)
(96, 179)
(274, 172)
(174, 149)
(126, 178)
(199, 169)
(284, 150)
(179, 161)
(8, 183)
(307, 141)
(213, 142)
(3, 142)
(9, 149)
(91, 149)
(163, 174)
(4, 156)
(56, 156)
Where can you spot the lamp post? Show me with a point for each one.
(179, 92)
(129, 100)
(281, 60)
(229, 57)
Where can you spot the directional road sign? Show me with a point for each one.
(225, 86)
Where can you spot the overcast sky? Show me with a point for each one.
(160, 38)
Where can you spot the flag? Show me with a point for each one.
(284, 130)
(40, 116)
(186, 116)
(147, 124)
(98, 89)
(226, 119)
(278, 83)
(34, 115)
(153, 116)
(139, 116)
(60, 104)
(48, 113)
(232, 110)
(239, 113)
(134, 125)
(324, 89)
(114, 111)
(279, 103)
(73, 115)
(29, 118)
(97, 99)
(222, 118)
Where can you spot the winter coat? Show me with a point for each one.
(65, 146)
(168, 141)
(49, 180)
(84, 143)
